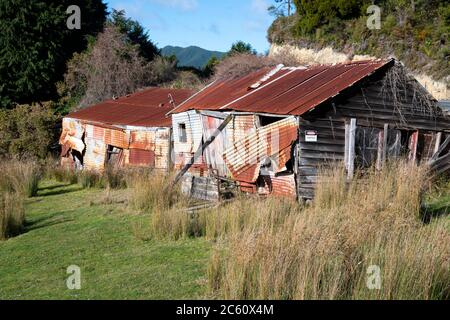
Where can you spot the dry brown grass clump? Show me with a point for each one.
(18, 179)
(149, 191)
(12, 215)
(326, 250)
(19, 176)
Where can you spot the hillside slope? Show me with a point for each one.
(414, 32)
(191, 56)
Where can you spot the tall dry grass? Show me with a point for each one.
(149, 191)
(12, 215)
(18, 179)
(20, 176)
(325, 251)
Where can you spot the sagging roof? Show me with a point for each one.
(147, 108)
(283, 90)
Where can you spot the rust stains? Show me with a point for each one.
(245, 157)
(287, 91)
(147, 108)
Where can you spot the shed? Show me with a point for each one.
(128, 131)
(286, 122)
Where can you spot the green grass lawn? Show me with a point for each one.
(70, 226)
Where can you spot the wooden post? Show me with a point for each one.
(413, 146)
(347, 137)
(438, 142)
(351, 149)
(385, 142)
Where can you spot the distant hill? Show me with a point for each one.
(191, 56)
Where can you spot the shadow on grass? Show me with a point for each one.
(45, 222)
(430, 212)
(53, 187)
(56, 191)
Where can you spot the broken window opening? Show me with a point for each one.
(182, 135)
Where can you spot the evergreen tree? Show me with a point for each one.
(136, 33)
(35, 44)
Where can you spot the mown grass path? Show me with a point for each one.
(70, 226)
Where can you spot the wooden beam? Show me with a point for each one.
(385, 142)
(200, 150)
(413, 141)
(441, 148)
(351, 149)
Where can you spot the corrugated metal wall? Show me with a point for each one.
(141, 146)
(194, 133)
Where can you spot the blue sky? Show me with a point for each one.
(210, 24)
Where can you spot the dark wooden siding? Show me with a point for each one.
(372, 107)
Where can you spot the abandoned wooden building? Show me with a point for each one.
(270, 131)
(128, 131)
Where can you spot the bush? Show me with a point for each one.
(89, 179)
(237, 65)
(12, 214)
(21, 177)
(27, 131)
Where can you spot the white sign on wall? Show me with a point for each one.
(311, 136)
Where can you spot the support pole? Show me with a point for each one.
(351, 149)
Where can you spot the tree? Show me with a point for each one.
(112, 67)
(35, 44)
(210, 66)
(240, 47)
(136, 33)
(280, 7)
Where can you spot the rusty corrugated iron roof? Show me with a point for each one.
(147, 108)
(284, 91)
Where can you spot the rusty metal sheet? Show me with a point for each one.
(240, 127)
(289, 91)
(142, 158)
(144, 140)
(147, 108)
(284, 186)
(116, 138)
(95, 155)
(213, 154)
(244, 157)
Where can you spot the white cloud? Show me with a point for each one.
(185, 5)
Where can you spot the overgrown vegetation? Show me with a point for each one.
(28, 131)
(18, 180)
(416, 32)
(277, 249)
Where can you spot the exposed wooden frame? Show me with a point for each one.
(351, 149)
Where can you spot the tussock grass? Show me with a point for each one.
(12, 215)
(18, 179)
(20, 176)
(149, 191)
(324, 251)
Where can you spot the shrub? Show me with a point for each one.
(21, 177)
(89, 179)
(27, 131)
(12, 214)
(237, 65)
